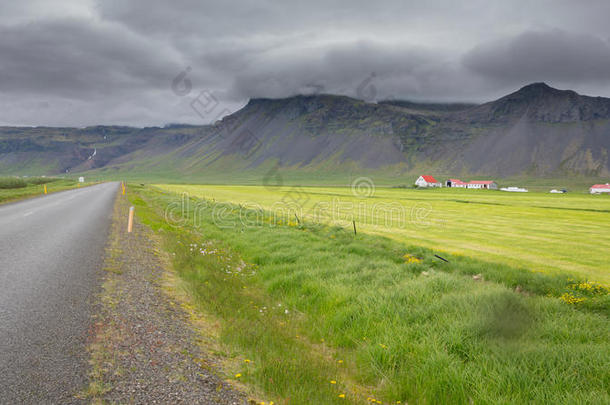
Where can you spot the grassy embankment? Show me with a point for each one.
(311, 313)
(536, 231)
(17, 188)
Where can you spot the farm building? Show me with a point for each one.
(600, 188)
(487, 184)
(427, 181)
(455, 183)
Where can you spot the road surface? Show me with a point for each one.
(51, 253)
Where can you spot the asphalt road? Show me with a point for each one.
(51, 253)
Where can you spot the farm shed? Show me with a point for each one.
(427, 181)
(600, 188)
(487, 184)
(455, 183)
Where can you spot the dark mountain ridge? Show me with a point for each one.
(537, 130)
(540, 103)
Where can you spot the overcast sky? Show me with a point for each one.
(152, 62)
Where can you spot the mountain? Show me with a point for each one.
(539, 102)
(430, 107)
(537, 130)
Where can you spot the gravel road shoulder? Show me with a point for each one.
(142, 345)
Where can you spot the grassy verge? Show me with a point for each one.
(311, 313)
(14, 188)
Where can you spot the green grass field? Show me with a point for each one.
(13, 188)
(308, 312)
(177, 171)
(535, 231)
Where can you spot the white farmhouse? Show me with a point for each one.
(600, 188)
(427, 181)
(81, 179)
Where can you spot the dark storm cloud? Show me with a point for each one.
(352, 69)
(81, 62)
(543, 55)
(75, 58)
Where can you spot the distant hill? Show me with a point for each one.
(537, 130)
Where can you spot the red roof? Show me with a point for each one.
(601, 185)
(456, 181)
(430, 179)
(480, 182)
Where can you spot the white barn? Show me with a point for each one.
(456, 183)
(600, 188)
(427, 181)
(487, 184)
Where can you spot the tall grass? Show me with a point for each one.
(22, 182)
(306, 305)
(40, 180)
(12, 182)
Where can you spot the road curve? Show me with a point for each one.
(51, 253)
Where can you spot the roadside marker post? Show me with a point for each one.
(123, 186)
(130, 222)
(45, 188)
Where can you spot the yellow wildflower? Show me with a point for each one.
(570, 299)
(411, 259)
